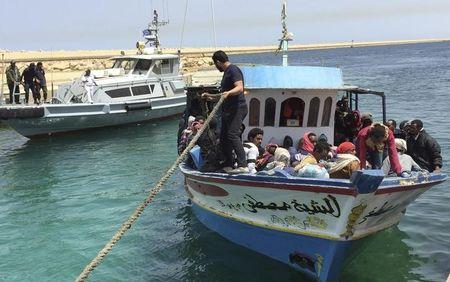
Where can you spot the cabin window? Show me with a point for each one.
(291, 114)
(163, 67)
(166, 66)
(117, 93)
(313, 115)
(327, 111)
(253, 118)
(142, 66)
(269, 110)
(127, 64)
(140, 90)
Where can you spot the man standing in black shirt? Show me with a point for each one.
(41, 82)
(234, 110)
(423, 148)
(28, 75)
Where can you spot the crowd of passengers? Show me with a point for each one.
(397, 151)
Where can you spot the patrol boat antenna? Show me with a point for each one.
(151, 36)
(285, 37)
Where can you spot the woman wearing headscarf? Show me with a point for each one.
(346, 162)
(309, 141)
(373, 140)
(305, 146)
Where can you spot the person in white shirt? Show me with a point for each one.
(406, 161)
(88, 83)
(255, 137)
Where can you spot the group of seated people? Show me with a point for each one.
(375, 147)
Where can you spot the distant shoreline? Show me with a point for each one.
(63, 55)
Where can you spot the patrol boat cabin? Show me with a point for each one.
(131, 77)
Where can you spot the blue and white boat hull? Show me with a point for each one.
(309, 224)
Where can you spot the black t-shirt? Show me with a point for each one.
(29, 74)
(230, 76)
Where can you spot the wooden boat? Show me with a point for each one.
(310, 224)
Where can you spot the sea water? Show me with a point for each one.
(62, 198)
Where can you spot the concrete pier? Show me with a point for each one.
(63, 66)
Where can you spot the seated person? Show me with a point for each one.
(254, 139)
(406, 161)
(281, 157)
(185, 135)
(392, 124)
(319, 153)
(200, 119)
(305, 147)
(209, 147)
(346, 162)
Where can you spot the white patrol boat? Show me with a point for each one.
(137, 88)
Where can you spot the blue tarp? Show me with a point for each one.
(292, 77)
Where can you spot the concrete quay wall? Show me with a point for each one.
(63, 66)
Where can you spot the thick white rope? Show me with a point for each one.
(152, 193)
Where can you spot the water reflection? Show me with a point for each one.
(384, 257)
(210, 257)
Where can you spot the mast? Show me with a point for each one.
(1, 87)
(151, 33)
(285, 37)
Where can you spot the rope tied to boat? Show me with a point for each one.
(152, 193)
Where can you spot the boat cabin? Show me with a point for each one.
(146, 65)
(290, 101)
(132, 77)
(293, 100)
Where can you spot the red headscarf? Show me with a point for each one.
(344, 147)
(308, 146)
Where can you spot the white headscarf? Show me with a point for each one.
(400, 144)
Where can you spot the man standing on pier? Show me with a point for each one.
(13, 80)
(234, 110)
(41, 82)
(29, 74)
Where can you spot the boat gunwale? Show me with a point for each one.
(333, 186)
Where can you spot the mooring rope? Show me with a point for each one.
(152, 193)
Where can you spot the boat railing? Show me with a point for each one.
(142, 81)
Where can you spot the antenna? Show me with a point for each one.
(213, 23)
(1, 85)
(151, 33)
(286, 36)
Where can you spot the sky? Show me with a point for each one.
(117, 24)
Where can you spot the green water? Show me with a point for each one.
(62, 198)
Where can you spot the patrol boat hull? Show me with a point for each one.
(34, 121)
